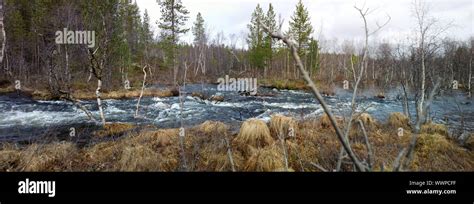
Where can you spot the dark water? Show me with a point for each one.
(22, 118)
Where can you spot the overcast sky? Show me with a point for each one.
(330, 18)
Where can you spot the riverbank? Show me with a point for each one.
(255, 147)
(85, 94)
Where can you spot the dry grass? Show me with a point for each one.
(434, 152)
(113, 129)
(325, 122)
(213, 127)
(367, 119)
(50, 157)
(266, 159)
(433, 128)
(399, 120)
(253, 134)
(469, 143)
(253, 149)
(281, 126)
(10, 156)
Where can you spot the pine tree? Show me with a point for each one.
(146, 35)
(172, 22)
(255, 38)
(301, 28)
(270, 22)
(199, 32)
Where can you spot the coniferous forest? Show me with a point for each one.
(99, 85)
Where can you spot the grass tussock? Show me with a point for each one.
(399, 120)
(213, 126)
(325, 122)
(265, 159)
(282, 126)
(212, 146)
(367, 119)
(253, 133)
(433, 128)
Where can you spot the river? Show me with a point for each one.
(22, 118)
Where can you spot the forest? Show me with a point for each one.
(91, 82)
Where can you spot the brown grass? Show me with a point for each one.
(435, 152)
(266, 159)
(433, 128)
(50, 157)
(113, 129)
(10, 156)
(469, 143)
(325, 122)
(281, 126)
(399, 120)
(213, 127)
(367, 119)
(253, 149)
(253, 134)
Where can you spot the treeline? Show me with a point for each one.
(125, 44)
(123, 38)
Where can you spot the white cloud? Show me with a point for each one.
(337, 18)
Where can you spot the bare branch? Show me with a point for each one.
(370, 154)
(397, 163)
(319, 97)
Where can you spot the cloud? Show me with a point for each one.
(332, 18)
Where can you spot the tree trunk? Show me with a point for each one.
(141, 93)
(470, 76)
(3, 34)
(99, 101)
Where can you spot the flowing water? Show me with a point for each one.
(22, 118)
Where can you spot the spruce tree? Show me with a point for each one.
(270, 22)
(301, 28)
(199, 31)
(173, 19)
(255, 38)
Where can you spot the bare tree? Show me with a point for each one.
(364, 12)
(141, 92)
(428, 31)
(278, 35)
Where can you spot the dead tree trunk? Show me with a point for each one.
(143, 89)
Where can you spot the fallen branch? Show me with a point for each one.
(66, 96)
